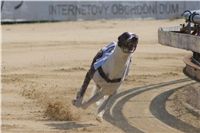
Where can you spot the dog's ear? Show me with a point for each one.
(123, 38)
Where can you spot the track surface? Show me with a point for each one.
(142, 120)
(44, 63)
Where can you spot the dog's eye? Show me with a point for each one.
(130, 43)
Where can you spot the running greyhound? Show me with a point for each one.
(108, 70)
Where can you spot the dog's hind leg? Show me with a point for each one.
(97, 88)
(103, 107)
(97, 96)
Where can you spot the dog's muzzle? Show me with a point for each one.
(129, 47)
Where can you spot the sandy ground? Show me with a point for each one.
(190, 95)
(43, 64)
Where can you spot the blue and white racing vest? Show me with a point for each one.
(107, 51)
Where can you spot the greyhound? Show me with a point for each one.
(108, 70)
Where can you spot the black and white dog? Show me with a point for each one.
(108, 70)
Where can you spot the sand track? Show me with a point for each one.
(44, 64)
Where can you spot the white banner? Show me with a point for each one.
(16, 11)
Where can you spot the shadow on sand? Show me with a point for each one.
(68, 125)
(115, 116)
(158, 109)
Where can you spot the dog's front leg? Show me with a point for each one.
(86, 82)
(79, 96)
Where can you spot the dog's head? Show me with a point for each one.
(128, 42)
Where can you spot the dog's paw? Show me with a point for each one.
(84, 106)
(99, 119)
(99, 116)
(77, 103)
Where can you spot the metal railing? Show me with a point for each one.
(192, 27)
(192, 19)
